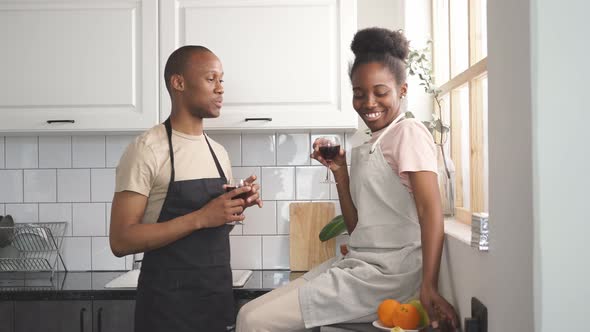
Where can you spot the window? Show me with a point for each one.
(460, 69)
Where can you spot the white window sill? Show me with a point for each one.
(458, 230)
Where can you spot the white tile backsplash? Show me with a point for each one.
(309, 184)
(246, 252)
(22, 152)
(88, 151)
(71, 179)
(275, 252)
(103, 258)
(55, 151)
(115, 146)
(108, 208)
(23, 213)
(89, 219)
(56, 212)
(40, 185)
(73, 185)
(77, 253)
(258, 150)
(261, 220)
(232, 144)
(278, 183)
(293, 149)
(1, 152)
(102, 184)
(11, 186)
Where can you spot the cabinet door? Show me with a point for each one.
(78, 65)
(114, 316)
(53, 316)
(285, 62)
(6, 316)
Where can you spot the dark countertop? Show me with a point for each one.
(90, 285)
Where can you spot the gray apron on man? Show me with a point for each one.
(385, 256)
(186, 286)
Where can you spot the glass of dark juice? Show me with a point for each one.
(329, 148)
(233, 184)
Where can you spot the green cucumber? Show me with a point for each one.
(332, 229)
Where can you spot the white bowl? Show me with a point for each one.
(380, 326)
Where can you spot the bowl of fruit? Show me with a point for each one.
(401, 317)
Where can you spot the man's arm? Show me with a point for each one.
(128, 235)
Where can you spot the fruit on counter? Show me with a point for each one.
(385, 311)
(406, 316)
(424, 320)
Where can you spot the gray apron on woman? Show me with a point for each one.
(385, 256)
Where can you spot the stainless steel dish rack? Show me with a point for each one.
(33, 247)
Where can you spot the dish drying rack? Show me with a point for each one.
(34, 247)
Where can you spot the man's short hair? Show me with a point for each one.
(177, 62)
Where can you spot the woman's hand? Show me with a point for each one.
(438, 308)
(334, 164)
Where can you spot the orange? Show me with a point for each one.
(385, 311)
(406, 316)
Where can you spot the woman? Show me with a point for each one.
(390, 203)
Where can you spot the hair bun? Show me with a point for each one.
(379, 40)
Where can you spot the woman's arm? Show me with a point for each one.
(428, 204)
(340, 171)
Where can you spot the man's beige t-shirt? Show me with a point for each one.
(144, 168)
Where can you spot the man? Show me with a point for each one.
(170, 203)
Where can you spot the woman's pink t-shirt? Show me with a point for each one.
(408, 147)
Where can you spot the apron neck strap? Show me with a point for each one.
(168, 126)
(400, 117)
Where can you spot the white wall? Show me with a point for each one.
(503, 277)
(561, 155)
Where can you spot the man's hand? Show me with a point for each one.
(254, 194)
(222, 209)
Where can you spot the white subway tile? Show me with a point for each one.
(73, 185)
(316, 136)
(1, 152)
(278, 183)
(23, 213)
(55, 151)
(258, 149)
(293, 149)
(283, 217)
(40, 185)
(309, 184)
(108, 208)
(54, 212)
(89, 219)
(232, 144)
(77, 253)
(128, 262)
(22, 152)
(261, 220)
(275, 252)
(88, 151)
(246, 252)
(11, 188)
(103, 258)
(115, 146)
(102, 184)
(352, 140)
(2, 210)
(237, 230)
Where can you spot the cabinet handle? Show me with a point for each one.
(61, 121)
(99, 324)
(82, 312)
(258, 119)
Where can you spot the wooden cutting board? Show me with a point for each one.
(306, 221)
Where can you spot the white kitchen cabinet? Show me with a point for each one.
(78, 65)
(285, 62)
